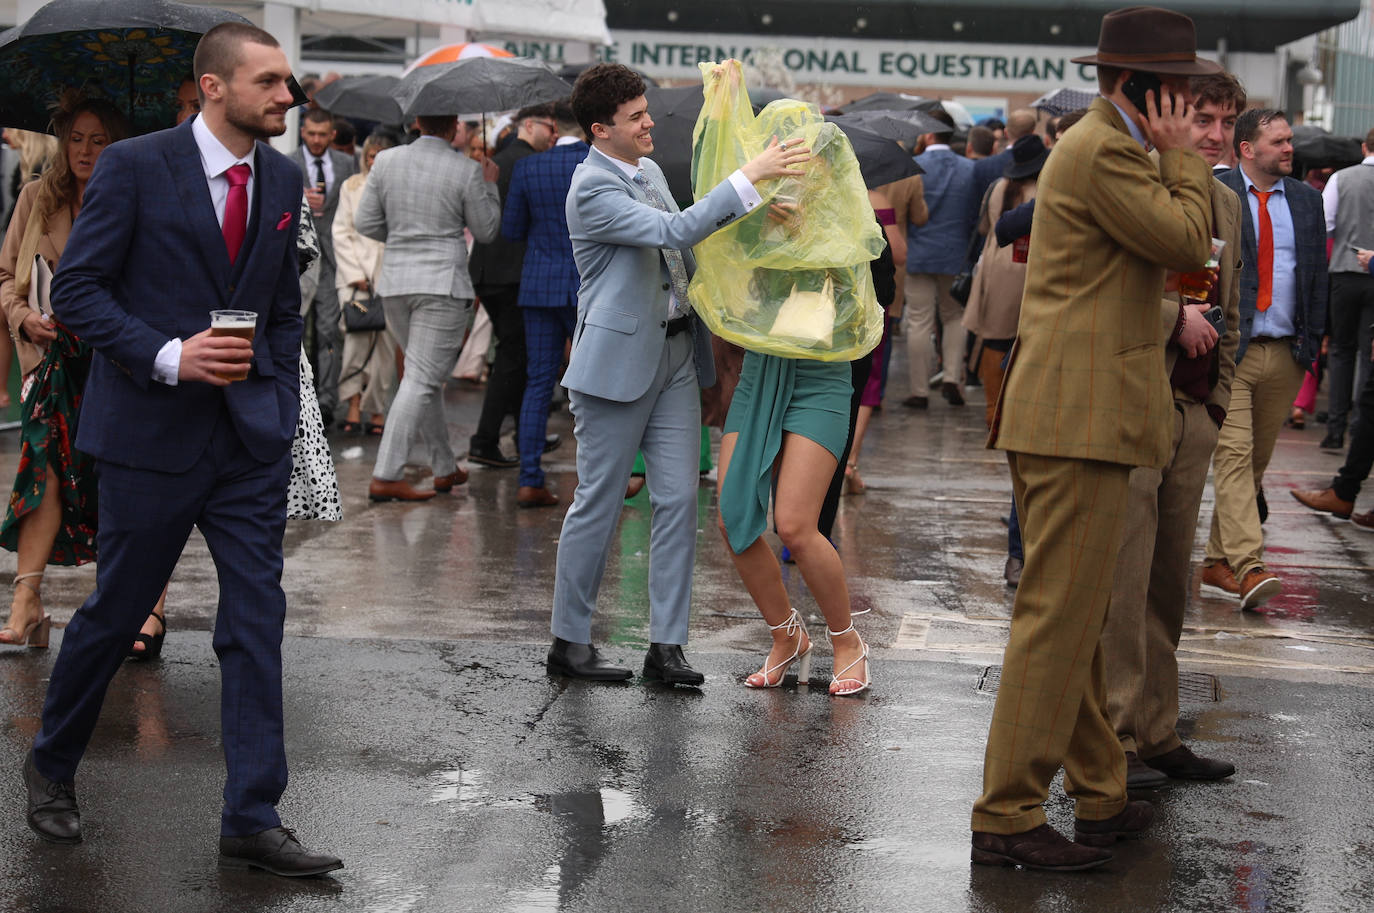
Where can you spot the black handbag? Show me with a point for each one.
(364, 315)
(961, 286)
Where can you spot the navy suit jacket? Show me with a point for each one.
(146, 261)
(1309, 238)
(536, 213)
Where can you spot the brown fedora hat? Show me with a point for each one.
(1151, 40)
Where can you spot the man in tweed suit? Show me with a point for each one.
(1153, 570)
(639, 359)
(1086, 399)
(418, 199)
(177, 444)
(536, 213)
(1282, 314)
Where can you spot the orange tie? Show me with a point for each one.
(1265, 266)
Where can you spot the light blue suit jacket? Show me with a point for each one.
(622, 304)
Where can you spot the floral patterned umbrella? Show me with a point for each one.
(136, 53)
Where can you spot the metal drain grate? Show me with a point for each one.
(1193, 687)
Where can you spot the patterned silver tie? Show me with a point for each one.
(676, 268)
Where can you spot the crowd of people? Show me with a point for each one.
(1140, 287)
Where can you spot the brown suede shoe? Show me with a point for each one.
(1183, 764)
(1140, 775)
(1040, 848)
(1364, 521)
(529, 496)
(399, 490)
(1217, 578)
(1257, 587)
(446, 483)
(635, 487)
(1324, 500)
(1131, 821)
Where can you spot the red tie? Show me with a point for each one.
(1265, 267)
(236, 209)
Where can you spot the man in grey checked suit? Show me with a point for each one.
(322, 164)
(638, 359)
(418, 200)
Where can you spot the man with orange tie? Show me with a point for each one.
(1282, 314)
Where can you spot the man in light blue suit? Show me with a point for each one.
(638, 359)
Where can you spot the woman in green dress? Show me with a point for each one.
(52, 510)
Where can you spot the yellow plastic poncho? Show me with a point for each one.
(799, 289)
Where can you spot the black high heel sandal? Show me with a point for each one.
(152, 643)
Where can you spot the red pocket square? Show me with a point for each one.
(285, 221)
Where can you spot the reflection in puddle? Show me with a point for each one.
(469, 789)
(544, 897)
(393, 896)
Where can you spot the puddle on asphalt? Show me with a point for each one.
(467, 787)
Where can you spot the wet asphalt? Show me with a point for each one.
(429, 749)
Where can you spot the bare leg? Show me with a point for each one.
(853, 480)
(355, 409)
(37, 533)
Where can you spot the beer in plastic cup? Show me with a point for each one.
(1197, 285)
(234, 323)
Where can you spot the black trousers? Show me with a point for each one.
(1352, 312)
(506, 384)
(1360, 458)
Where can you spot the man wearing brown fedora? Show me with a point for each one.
(1086, 398)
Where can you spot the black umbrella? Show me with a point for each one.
(135, 53)
(477, 84)
(905, 127)
(674, 113)
(881, 160)
(570, 71)
(1061, 101)
(1313, 147)
(888, 101)
(364, 98)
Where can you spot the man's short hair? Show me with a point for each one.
(344, 134)
(537, 112)
(1369, 139)
(1250, 123)
(436, 124)
(943, 117)
(565, 118)
(600, 90)
(981, 140)
(1020, 122)
(318, 116)
(1107, 77)
(1220, 89)
(1065, 121)
(221, 49)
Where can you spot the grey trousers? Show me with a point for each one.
(665, 423)
(429, 330)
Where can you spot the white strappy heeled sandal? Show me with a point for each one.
(840, 685)
(794, 627)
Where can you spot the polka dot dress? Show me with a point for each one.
(314, 490)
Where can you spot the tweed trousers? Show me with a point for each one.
(1050, 709)
(1151, 588)
(429, 329)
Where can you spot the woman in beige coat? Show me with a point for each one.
(368, 373)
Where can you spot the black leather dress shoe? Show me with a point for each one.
(582, 661)
(1182, 764)
(53, 814)
(493, 457)
(274, 850)
(551, 442)
(665, 663)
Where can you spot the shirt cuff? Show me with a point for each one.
(167, 365)
(747, 194)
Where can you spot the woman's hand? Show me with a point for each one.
(780, 159)
(38, 329)
(360, 284)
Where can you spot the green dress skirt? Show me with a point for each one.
(47, 438)
(775, 395)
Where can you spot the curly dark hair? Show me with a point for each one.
(600, 90)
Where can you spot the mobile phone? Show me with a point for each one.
(1354, 249)
(1217, 319)
(1136, 87)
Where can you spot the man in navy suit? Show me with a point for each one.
(536, 213)
(174, 224)
(1283, 292)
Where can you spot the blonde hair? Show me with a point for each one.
(57, 187)
(36, 152)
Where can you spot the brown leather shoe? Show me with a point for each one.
(529, 496)
(1217, 578)
(1139, 775)
(1324, 500)
(1364, 521)
(1040, 848)
(1131, 821)
(1183, 764)
(635, 487)
(1257, 587)
(446, 483)
(399, 490)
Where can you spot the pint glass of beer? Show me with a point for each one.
(234, 323)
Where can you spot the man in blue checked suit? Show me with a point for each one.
(535, 212)
(174, 224)
(639, 357)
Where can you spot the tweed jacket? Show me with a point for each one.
(1086, 377)
(418, 200)
(536, 213)
(1309, 236)
(50, 245)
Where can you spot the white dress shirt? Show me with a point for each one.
(327, 160)
(216, 160)
(1329, 199)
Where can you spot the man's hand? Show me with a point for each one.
(38, 329)
(1364, 256)
(205, 357)
(360, 284)
(1197, 336)
(1170, 125)
(315, 200)
(780, 159)
(490, 170)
